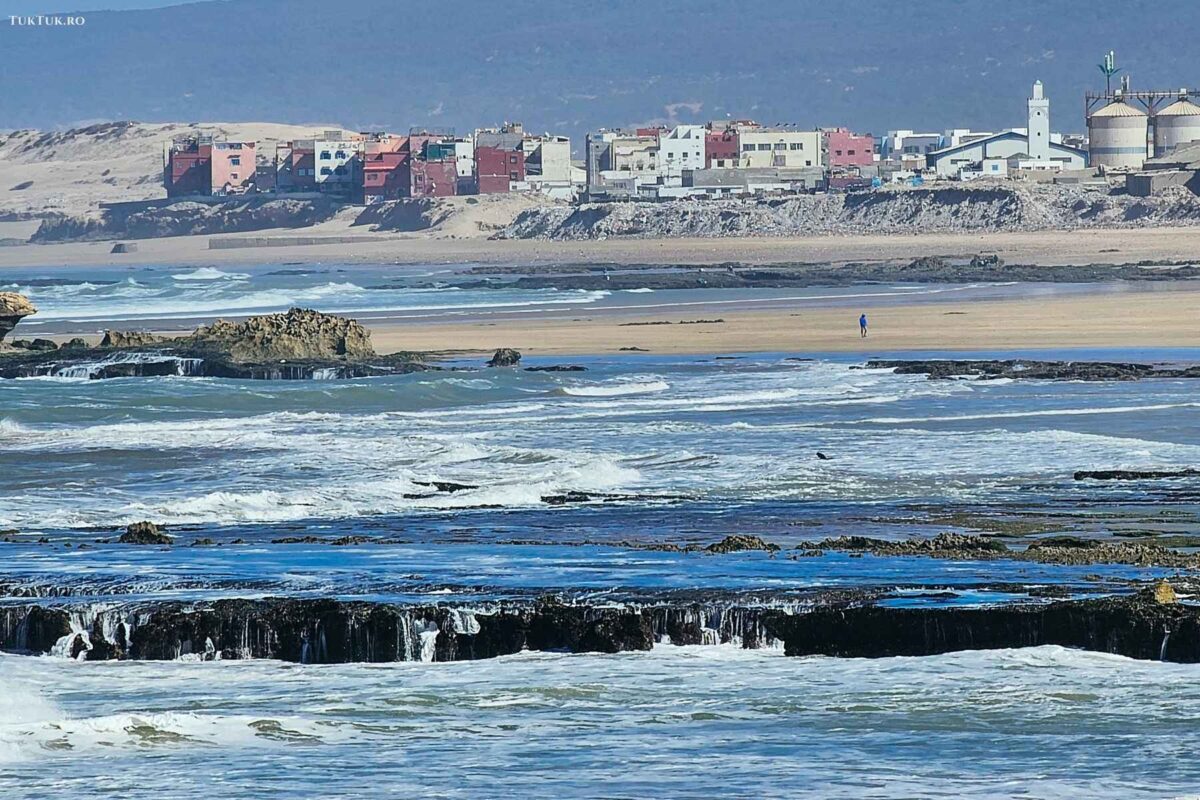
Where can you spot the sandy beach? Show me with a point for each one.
(1133, 319)
(1042, 247)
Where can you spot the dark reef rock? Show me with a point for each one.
(1134, 475)
(1032, 370)
(739, 543)
(1147, 625)
(144, 533)
(1132, 627)
(1050, 550)
(505, 357)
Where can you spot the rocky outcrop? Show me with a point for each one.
(738, 543)
(13, 308)
(1017, 369)
(124, 339)
(505, 357)
(298, 334)
(144, 533)
(297, 345)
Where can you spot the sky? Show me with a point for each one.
(8, 7)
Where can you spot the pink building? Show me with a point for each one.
(233, 165)
(200, 165)
(846, 149)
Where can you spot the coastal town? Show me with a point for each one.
(1149, 139)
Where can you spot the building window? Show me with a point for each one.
(839, 152)
(764, 147)
(512, 159)
(340, 154)
(808, 163)
(340, 171)
(326, 171)
(325, 155)
(796, 146)
(234, 161)
(233, 176)
(781, 146)
(848, 152)
(747, 148)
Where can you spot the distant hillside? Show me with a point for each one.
(72, 171)
(575, 64)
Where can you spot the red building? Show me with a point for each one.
(437, 178)
(189, 168)
(384, 176)
(846, 149)
(499, 159)
(721, 149)
(303, 167)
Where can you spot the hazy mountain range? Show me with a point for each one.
(572, 65)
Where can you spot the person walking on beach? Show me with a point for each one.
(862, 326)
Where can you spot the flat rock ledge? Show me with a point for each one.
(1148, 625)
(1020, 369)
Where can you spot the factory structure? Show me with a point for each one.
(1126, 128)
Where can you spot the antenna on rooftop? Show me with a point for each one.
(1109, 68)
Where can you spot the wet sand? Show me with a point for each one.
(1132, 319)
(1042, 247)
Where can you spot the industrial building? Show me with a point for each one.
(1033, 147)
(1127, 127)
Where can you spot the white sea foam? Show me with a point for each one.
(1047, 412)
(209, 274)
(617, 389)
(818, 727)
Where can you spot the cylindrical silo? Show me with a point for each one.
(1117, 136)
(1178, 123)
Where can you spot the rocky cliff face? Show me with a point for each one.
(13, 308)
(300, 334)
(951, 209)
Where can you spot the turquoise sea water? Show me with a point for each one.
(680, 450)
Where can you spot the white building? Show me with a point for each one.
(548, 166)
(898, 144)
(548, 157)
(763, 147)
(1034, 143)
(678, 149)
(464, 157)
(336, 161)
